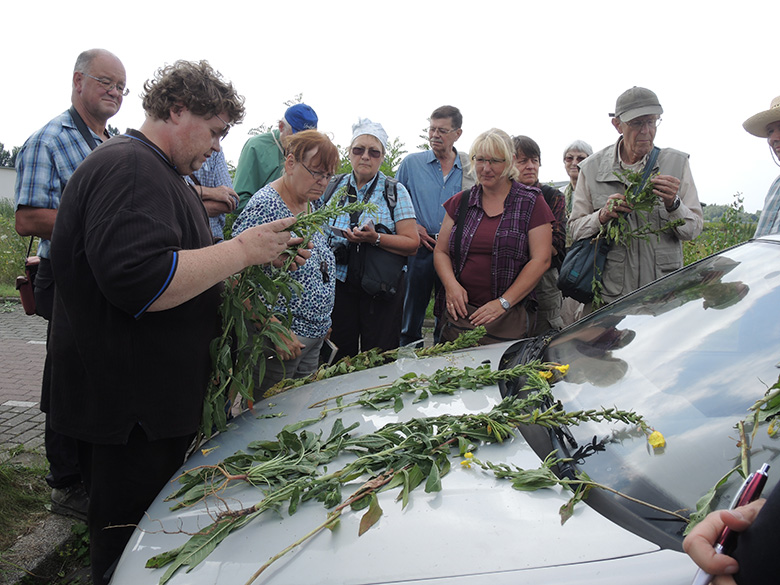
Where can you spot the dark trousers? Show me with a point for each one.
(421, 280)
(122, 481)
(361, 323)
(61, 451)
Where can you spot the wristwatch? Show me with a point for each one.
(675, 204)
(378, 238)
(504, 303)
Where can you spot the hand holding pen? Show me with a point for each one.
(714, 538)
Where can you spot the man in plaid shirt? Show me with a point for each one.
(43, 166)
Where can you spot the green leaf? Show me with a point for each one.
(528, 480)
(567, 510)
(201, 545)
(360, 504)
(433, 484)
(300, 424)
(704, 505)
(295, 499)
(159, 561)
(372, 516)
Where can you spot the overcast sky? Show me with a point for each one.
(551, 71)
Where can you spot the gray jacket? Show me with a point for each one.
(628, 268)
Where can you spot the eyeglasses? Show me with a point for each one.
(372, 152)
(442, 131)
(226, 129)
(488, 161)
(318, 175)
(640, 124)
(108, 85)
(569, 158)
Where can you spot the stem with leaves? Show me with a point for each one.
(410, 453)
(248, 300)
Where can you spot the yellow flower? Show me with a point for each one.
(467, 457)
(207, 451)
(546, 375)
(656, 440)
(562, 369)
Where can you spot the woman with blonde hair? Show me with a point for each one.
(494, 245)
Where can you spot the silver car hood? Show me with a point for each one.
(476, 530)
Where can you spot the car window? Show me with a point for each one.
(691, 353)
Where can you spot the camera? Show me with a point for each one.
(341, 253)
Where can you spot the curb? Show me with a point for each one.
(37, 553)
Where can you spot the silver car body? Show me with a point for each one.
(478, 529)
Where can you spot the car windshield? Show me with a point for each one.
(690, 353)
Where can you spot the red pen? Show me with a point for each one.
(750, 491)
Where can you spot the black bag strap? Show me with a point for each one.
(82, 127)
(391, 193)
(459, 222)
(648, 168)
(331, 188)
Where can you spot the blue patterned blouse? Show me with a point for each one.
(310, 311)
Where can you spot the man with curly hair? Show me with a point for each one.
(138, 287)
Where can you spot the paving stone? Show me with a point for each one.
(22, 353)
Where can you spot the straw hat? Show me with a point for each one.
(757, 124)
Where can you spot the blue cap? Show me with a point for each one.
(301, 117)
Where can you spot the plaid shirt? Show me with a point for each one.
(46, 162)
(510, 247)
(214, 173)
(769, 222)
(403, 210)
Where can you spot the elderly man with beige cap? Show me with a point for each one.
(766, 124)
(599, 197)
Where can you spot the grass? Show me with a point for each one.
(24, 502)
(13, 250)
(24, 496)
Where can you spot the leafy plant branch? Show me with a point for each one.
(248, 300)
(376, 357)
(764, 410)
(410, 453)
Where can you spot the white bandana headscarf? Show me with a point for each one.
(366, 126)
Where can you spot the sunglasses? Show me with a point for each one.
(372, 152)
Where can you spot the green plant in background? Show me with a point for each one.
(393, 155)
(13, 250)
(731, 229)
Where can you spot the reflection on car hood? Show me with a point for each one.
(476, 530)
